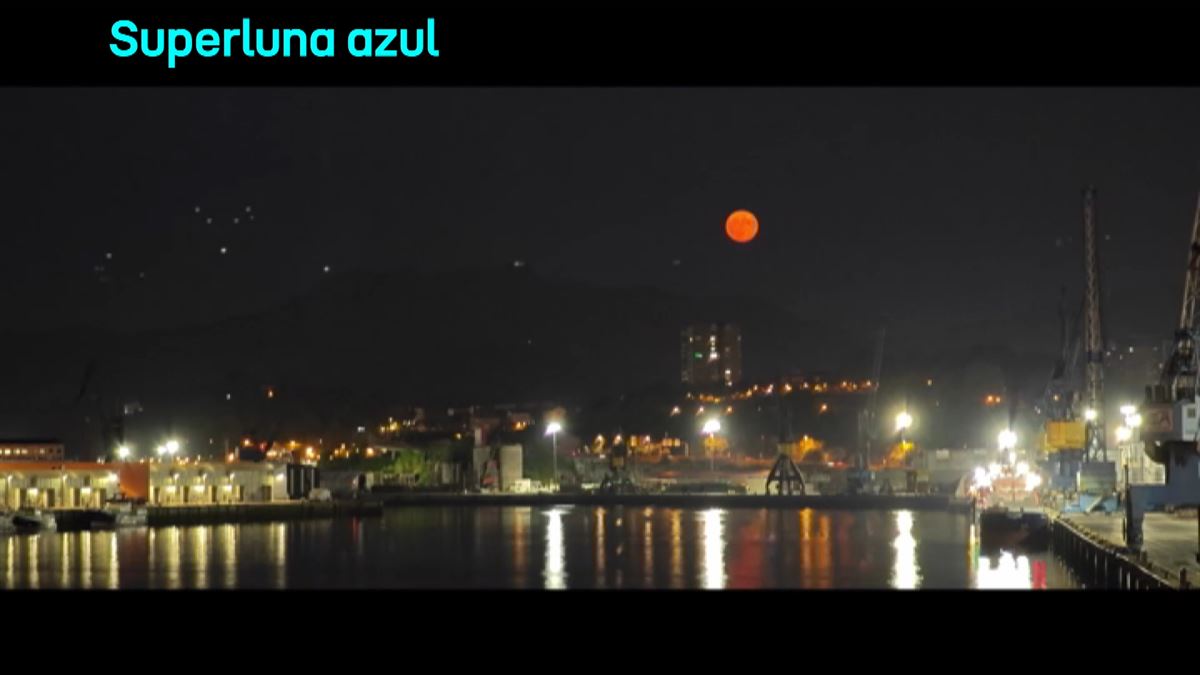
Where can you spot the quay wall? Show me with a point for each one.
(1098, 564)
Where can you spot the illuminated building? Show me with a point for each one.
(31, 450)
(711, 354)
(41, 484)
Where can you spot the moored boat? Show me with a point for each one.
(34, 520)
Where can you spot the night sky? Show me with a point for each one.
(951, 215)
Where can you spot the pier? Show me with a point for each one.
(829, 502)
(70, 520)
(1093, 546)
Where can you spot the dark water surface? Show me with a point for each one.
(536, 547)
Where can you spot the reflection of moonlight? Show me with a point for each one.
(741, 226)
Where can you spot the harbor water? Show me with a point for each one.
(524, 547)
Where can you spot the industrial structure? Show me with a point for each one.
(1075, 439)
(1171, 416)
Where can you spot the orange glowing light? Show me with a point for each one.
(741, 226)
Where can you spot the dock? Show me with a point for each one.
(1093, 546)
(70, 520)
(734, 501)
(259, 512)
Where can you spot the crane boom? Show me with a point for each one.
(1180, 369)
(1093, 340)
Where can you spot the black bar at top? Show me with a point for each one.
(641, 47)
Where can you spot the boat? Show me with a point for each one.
(34, 520)
(121, 513)
(1010, 512)
(1004, 528)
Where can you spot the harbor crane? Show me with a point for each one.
(1171, 426)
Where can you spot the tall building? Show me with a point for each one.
(711, 354)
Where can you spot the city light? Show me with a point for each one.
(553, 428)
(172, 447)
(1128, 410)
(903, 421)
(712, 426)
(124, 452)
(1133, 421)
(1007, 439)
(1124, 434)
(1090, 415)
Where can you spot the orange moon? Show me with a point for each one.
(741, 226)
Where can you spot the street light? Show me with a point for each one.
(1090, 414)
(124, 452)
(1128, 410)
(1007, 439)
(552, 430)
(1124, 434)
(172, 447)
(903, 421)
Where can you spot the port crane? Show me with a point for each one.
(1171, 426)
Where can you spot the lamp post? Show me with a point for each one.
(552, 430)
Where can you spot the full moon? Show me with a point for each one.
(741, 226)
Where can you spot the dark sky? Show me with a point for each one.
(953, 212)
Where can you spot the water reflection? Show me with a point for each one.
(229, 557)
(648, 549)
(555, 574)
(503, 547)
(114, 562)
(905, 574)
(1005, 572)
(601, 551)
(677, 578)
(713, 572)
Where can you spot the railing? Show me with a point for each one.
(1098, 564)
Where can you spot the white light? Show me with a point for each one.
(903, 421)
(1032, 481)
(555, 572)
(713, 562)
(112, 477)
(553, 428)
(712, 426)
(1128, 410)
(905, 573)
(993, 470)
(1090, 415)
(279, 476)
(1022, 468)
(123, 452)
(172, 446)
(1007, 439)
(1124, 434)
(1012, 456)
(160, 450)
(1134, 421)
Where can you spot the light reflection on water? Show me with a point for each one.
(524, 547)
(905, 574)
